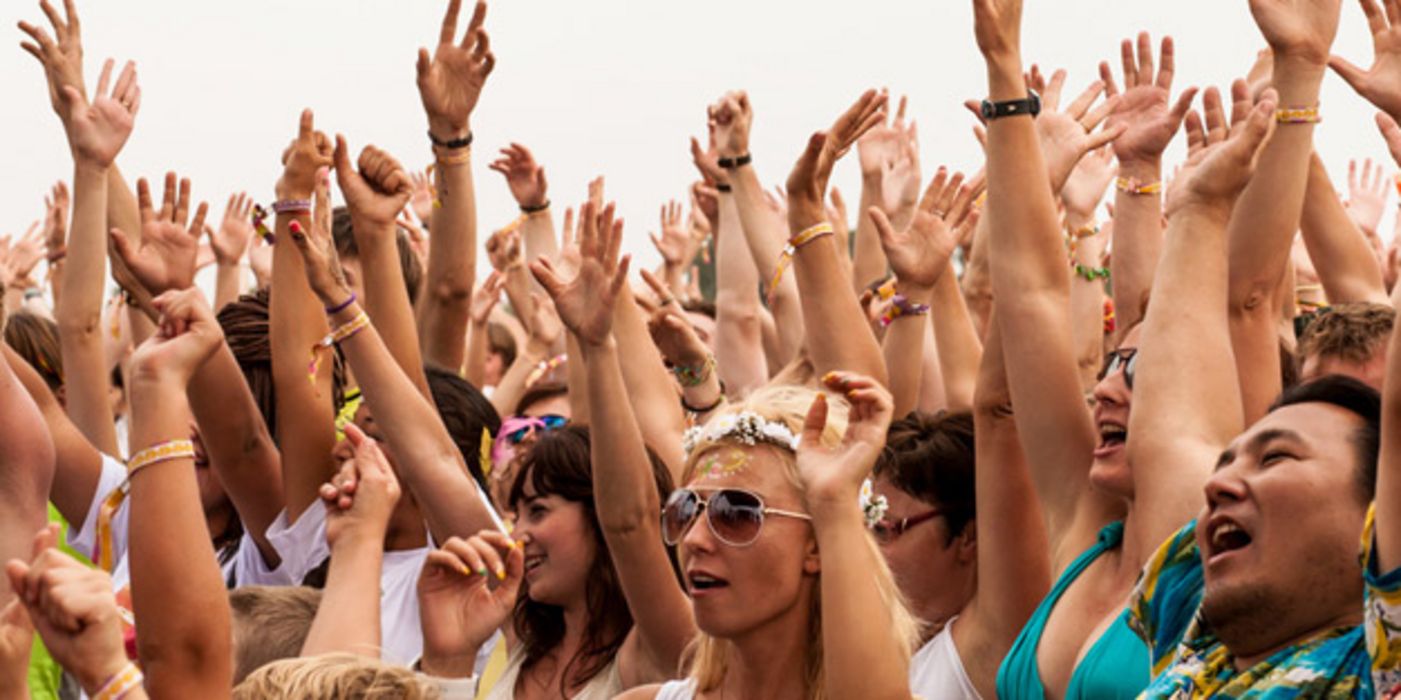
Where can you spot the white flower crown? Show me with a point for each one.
(746, 427)
(873, 506)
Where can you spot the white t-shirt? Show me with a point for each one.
(936, 670)
(245, 568)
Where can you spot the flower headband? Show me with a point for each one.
(746, 428)
(873, 506)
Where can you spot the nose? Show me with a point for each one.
(697, 536)
(1113, 390)
(1224, 486)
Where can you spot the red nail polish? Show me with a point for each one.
(295, 226)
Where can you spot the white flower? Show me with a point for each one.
(872, 505)
(746, 428)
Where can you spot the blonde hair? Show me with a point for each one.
(270, 623)
(335, 677)
(707, 657)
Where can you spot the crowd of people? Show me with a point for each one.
(973, 439)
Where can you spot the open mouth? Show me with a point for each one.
(533, 562)
(700, 583)
(1226, 537)
(1111, 436)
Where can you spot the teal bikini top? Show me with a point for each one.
(1115, 668)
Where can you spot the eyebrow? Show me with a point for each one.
(1255, 443)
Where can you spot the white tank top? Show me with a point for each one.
(678, 690)
(936, 670)
(605, 685)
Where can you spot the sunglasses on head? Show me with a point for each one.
(734, 516)
(1127, 359)
(886, 531)
(514, 430)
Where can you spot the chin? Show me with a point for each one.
(1112, 476)
(1227, 603)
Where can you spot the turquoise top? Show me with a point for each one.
(1115, 668)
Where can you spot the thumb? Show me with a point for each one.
(71, 96)
(1348, 71)
(884, 228)
(545, 275)
(123, 245)
(345, 171)
(815, 422)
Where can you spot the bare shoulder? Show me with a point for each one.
(641, 692)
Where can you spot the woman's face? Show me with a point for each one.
(737, 590)
(931, 568)
(559, 547)
(1113, 398)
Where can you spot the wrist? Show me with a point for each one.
(1005, 78)
(916, 293)
(446, 130)
(154, 383)
(829, 503)
(93, 679)
(1142, 169)
(84, 166)
(448, 665)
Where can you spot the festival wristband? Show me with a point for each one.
(126, 680)
(732, 163)
(341, 334)
(260, 216)
(1298, 115)
(796, 243)
(292, 206)
(901, 306)
(1130, 185)
(453, 144)
(694, 375)
(456, 159)
(545, 367)
(163, 452)
(56, 256)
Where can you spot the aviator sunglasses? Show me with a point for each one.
(734, 516)
(1126, 359)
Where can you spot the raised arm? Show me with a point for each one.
(172, 560)
(230, 243)
(833, 321)
(883, 149)
(450, 84)
(1262, 228)
(359, 503)
(1346, 263)
(526, 179)
(428, 460)
(28, 469)
(375, 194)
(1150, 121)
(1388, 499)
(864, 648)
(625, 489)
(1186, 398)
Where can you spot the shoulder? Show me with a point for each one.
(642, 692)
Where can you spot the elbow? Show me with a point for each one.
(80, 324)
(743, 314)
(451, 291)
(1252, 299)
(623, 521)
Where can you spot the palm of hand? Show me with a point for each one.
(1215, 173)
(1086, 185)
(881, 145)
(452, 85)
(1302, 27)
(1145, 110)
(99, 130)
(1382, 86)
(923, 251)
(1366, 207)
(525, 183)
(166, 259)
(901, 189)
(673, 245)
(456, 615)
(1063, 142)
(545, 325)
(231, 240)
(583, 305)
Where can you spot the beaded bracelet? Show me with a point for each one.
(162, 452)
(1072, 240)
(1090, 274)
(1130, 185)
(693, 376)
(1298, 115)
(291, 206)
(900, 305)
(807, 236)
(126, 680)
(545, 367)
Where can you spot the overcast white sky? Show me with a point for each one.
(609, 86)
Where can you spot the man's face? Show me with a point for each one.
(1280, 531)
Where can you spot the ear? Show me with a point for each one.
(966, 544)
(812, 558)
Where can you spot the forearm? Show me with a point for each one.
(452, 265)
(869, 263)
(1388, 498)
(1086, 307)
(347, 620)
(240, 449)
(387, 300)
(977, 280)
(1344, 259)
(739, 340)
(228, 284)
(578, 380)
(765, 235)
(517, 287)
(478, 347)
(512, 386)
(538, 236)
(1138, 242)
(862, 653)
(28, 474)
(79, 315)
(172, 560)
(123, 211)
(956, 340)
(649, 385)
(305, 414)
(78, 464)
(903, 348)
(933, 397)
(427, 459)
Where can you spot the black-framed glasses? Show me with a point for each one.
(886, 531)
(1126, 358)
(734, 516)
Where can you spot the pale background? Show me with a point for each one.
(610, 86)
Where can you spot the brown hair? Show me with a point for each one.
(931, 457)
(344, 236)
(500, 341)
(335, 677)
(1348, 332)
(270, 623)
(35, 338)
(543, 391)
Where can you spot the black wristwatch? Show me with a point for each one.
(1011, 108)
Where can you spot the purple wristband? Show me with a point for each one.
(333, 310)
(291, 206)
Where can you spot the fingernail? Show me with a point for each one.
(500, 574)
(829, 377)
(465, 571)
(295, 226)
(482, 572)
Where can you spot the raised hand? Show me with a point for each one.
(997, 27)
(230, 241)
(1367, 195)
(1298, 29)
(303, 160)
(545, 326)
(467, 591)
(61, 56)
(73, 609)
(1085, 187)
(421, 201)
(1143, 110)
(919, 255)
(524, 176)
(707, 160)
(361, 498)
(886, 143)
(835, 474)
(732, 118)
(97, 131)
(503, 249)
(1380, 84)
(56, 221)
(451, 82)
(672, 332)
(169, 238)
(900, 177)
(1220, 163)
(585, 302)
(676, 245)
(487, 296)
(1067, 136)
(186, 335)
(807, 183)
(377, 192)
(318, 249)
(21, 259)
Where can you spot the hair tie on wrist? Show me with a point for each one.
(723, 187)
(732, 163)
(333, 310)
(452, 144)
(701, 410)
(901, 306)
(536, 209)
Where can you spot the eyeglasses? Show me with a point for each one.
(734, 516)
(886, 531)
(1126, 359)
(515, 429)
